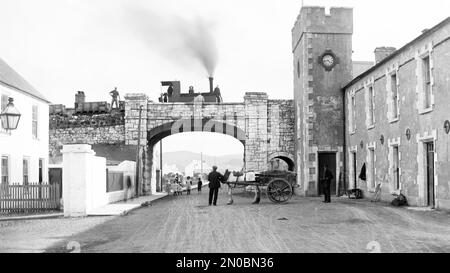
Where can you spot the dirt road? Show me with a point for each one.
(187, 224)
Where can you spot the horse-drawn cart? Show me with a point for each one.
(279, 185)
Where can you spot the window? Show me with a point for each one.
(25, 171)
(394, 93)
(426, 82)
(298, 69)
(354, 170)
(35, 121)
(370, 107)
(5, 170)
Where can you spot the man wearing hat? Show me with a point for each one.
(214, 179)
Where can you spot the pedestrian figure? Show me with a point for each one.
(199, 185)
(168, 187)
(214, 179)
(115, 96)
(174, 188)
(180, 188)
(170, 90)
(217, 94)
(327, 177)
(188, 185)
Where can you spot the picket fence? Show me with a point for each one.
(34, 197)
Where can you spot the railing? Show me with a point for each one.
(16, 198)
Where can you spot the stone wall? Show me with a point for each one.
(85, 129)
(256, 141)
(280, 127)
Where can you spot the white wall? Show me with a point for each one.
(20, 143)
(129, 169)
(84, 180)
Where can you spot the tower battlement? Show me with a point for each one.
(314, 19)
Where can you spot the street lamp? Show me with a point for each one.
(10, 116)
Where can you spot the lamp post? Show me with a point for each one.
(138, 169)
(10, 116)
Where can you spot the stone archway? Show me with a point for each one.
(262, 125)
(286, 157)
(184, 126)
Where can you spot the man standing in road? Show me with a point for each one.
(199, 185)
(214, 179)
(327, 177)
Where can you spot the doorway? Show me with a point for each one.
(328, 159)
(431, 202)
(355, 178)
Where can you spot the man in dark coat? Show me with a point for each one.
(170, 90)
(199, 185)
(214, 179)
(327, 177)
(115, 97)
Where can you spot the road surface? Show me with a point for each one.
(187, 224)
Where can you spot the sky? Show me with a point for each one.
(64, 46)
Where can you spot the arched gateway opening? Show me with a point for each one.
(155, 135)
(193, 125)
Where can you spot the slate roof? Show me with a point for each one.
(10, 78)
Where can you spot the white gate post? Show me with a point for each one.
(84, 180)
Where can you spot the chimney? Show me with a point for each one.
(80, 98)
(382, 52)
(211, 81)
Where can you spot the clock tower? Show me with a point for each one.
(322, 51)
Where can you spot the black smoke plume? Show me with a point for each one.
(181, 40)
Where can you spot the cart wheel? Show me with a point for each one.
(279, 190)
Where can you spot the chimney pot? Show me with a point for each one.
(383, 52)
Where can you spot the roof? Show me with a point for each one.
(12, 79)
(397, 52)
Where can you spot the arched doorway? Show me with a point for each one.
(285, 158)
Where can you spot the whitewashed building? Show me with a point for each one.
(24, 151)
(196, 167)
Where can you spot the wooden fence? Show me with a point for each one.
(29, 198)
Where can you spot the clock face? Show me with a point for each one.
(328, 60)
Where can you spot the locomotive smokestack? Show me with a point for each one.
(211, 81)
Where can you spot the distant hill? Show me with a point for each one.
(183, 158)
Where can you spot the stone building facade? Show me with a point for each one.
(322, 49)
(397, 124)
(392, 118)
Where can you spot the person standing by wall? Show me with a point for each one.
(327, 177)
(214, 179)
